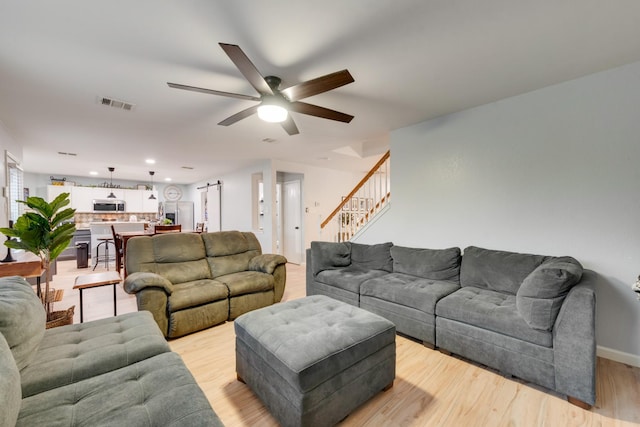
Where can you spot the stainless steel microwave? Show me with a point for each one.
(108, 205)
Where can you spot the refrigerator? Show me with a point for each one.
(180, 213)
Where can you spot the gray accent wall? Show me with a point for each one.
(555, 171)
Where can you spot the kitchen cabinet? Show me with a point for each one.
(133, 200)
(82, 198)
(136, 201)
(54, 191)
(149, 205)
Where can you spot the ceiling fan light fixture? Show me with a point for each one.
(272, 111)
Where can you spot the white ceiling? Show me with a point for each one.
(412, 60)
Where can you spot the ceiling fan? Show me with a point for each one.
(274, 100)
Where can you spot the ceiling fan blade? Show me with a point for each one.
(290, 126)
(239, 116)
(319, 85)
(213, 92)
(246, 67)
(314, 110)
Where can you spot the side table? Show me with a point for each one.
(95, 280)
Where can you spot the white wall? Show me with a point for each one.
(321, 192)
(554, 172)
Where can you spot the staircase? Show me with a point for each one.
(368, 198)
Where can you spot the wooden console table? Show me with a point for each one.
(95, 280)
(26, 264)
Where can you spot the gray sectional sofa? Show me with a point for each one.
(117, 371)
(530, 316)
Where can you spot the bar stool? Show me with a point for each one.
(103, 240)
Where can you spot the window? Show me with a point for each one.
(15, 187)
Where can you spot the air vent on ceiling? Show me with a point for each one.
(187, 167)
(122, 105)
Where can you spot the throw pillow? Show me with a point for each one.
(435, 264)
(500, 271)
(329, 255)
(372, 257)
(543, 291)
(22, 319)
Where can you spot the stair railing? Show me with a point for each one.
(360, 206)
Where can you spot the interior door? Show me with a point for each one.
(292, 222)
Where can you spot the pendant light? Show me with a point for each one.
(111, 195)
(152, 197)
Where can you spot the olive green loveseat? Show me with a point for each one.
(192, 281)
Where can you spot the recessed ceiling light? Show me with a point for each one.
(150, 161)
(167, 179)
(93, 173)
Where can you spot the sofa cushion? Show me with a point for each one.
(374, 257)
(177, 247)
(74, 352)
(491, 310)
(348, 278)
(247, 282)
(158, 391)
(497, 270)
(22, 319)
(9, 386)
(185, 271)
(409, 291)
(196, 293)
(543, 291)
(327, 255)
(435, 264)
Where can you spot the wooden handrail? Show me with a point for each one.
(356, 188)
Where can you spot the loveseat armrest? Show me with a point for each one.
(135, 282)
(266, 263)
(574, 341)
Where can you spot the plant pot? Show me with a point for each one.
(60, 318)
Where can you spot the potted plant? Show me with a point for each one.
(43, 230)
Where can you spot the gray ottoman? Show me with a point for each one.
(314, 360)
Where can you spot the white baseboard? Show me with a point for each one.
(618, 356)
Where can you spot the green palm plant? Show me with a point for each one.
(43, 231)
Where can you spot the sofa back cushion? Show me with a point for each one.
(10, 388)
(22, 319)
(372, 257)
(179, 257)
(435, 264)
(329, 255)
(230, 251)
(497, 270)
(543, 291)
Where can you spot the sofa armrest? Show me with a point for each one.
(574, 341)
(135, 282)
(266, 263)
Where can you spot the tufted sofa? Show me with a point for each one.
(109, 372)
(531, 316)
(191, 281)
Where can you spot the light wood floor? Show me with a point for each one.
(431, 389)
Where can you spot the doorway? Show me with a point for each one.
(292, 221)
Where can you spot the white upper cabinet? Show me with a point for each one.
(82, 198)
(149, 205)
(133, 200)
(54, 191)
(136, 201)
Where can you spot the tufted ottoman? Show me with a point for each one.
(314, 360)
